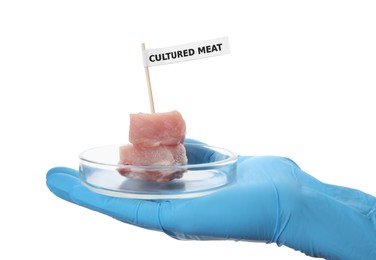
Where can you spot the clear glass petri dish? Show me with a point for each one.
(99, 171)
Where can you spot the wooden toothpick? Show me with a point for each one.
(151, 100)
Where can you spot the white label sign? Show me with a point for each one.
(185, 52)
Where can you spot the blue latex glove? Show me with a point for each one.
(273, 200)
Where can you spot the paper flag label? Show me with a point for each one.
(185, 52)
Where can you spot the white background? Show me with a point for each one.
(299, 82)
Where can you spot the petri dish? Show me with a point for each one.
(209, 169)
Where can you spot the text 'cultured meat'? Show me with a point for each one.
(155, 140)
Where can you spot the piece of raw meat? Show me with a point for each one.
(156, 140)
(157, 129)
(152, 156)
(162, 155)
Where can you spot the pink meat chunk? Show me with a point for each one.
(157, 129)
(156, 140)
(161, 155)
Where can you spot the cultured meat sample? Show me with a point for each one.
(161, 155)
(157, 129)
(156, 140)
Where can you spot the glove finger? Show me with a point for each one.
(65, 183)
(61, 180)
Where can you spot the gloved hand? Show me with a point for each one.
(273, 200)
